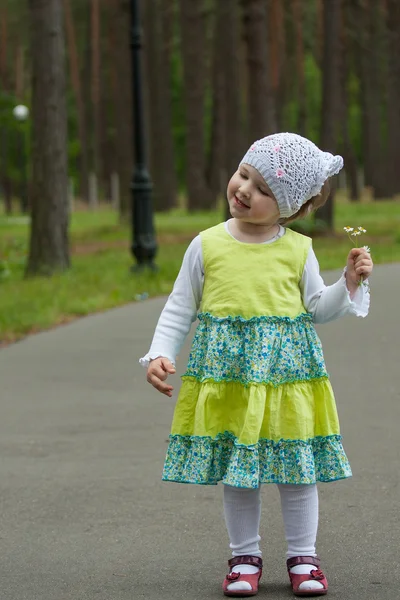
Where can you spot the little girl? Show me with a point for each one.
(256, 405)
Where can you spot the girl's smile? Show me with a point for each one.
(240, 203)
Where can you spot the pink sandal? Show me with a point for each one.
(253, 580)
(315, 575)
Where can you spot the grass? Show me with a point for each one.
(100, 277)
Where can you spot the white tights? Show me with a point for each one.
(242, 508)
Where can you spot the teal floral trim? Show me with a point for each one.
(274, 350)
(247, 384)
(204, 460)
(272, 319)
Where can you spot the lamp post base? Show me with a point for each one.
(143, 267)
(144, 246)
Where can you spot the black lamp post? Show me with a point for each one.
(144, 245)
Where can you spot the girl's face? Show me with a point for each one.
(250, 199)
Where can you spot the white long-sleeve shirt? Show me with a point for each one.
(325, 303)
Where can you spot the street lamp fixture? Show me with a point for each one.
(21, 112)
(144, 245)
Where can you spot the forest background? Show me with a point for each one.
(217, 74)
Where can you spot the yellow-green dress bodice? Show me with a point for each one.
(256, 405)
(253, 280)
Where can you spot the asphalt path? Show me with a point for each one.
(84, 514)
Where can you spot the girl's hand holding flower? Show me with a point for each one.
(359, 262)
(359, 267)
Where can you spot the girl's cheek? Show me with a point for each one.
(233, 185)
(259, 210)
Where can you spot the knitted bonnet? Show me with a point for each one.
(294, 168)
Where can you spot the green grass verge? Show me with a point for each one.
(100, 278)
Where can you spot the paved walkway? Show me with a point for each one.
(84, 514)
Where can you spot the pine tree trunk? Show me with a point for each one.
(48, 250)
(113, 86)
(4, 179)
(330, 93)
(170, 182)
(19, 71)
(369, 60)
(122, 95)
(77, 88)
(319, 42)
(192, 17)
(3, 48)
(158, 69)
(261, 109)
(151, 73)
(393, 100)
(350, 159)
(234, 143)
(301, 81)
(6, 183)
(285, 83)
(106, 143)
(277, 37)
(217, 154)
(87, 96)
(273, 43)
(95, 79)
(8, 195)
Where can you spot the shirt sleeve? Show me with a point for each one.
(327, 303)
(181, 308)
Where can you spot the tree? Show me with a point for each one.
(320, 31)
(121, 71)
(369, 54)
(4, 80)
(7, 103)
(346, 53)
(301, 82)
(330, 92)
(158, 19)
(278, 51)
(75, 80)
(95, 83)
(260, 102)
(393, 105)
(236, 144)
(193, 38)
(4, 85)
(217, 154)
(48, 250)
(233, 142)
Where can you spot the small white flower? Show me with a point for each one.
(367, 248)
(353, 233)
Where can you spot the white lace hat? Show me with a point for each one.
(294, 168)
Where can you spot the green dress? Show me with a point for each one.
(256, 405)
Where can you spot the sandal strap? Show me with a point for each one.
(303, 560)
(247, 559)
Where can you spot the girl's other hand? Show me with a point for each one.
(157, 372)
(359, 267)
